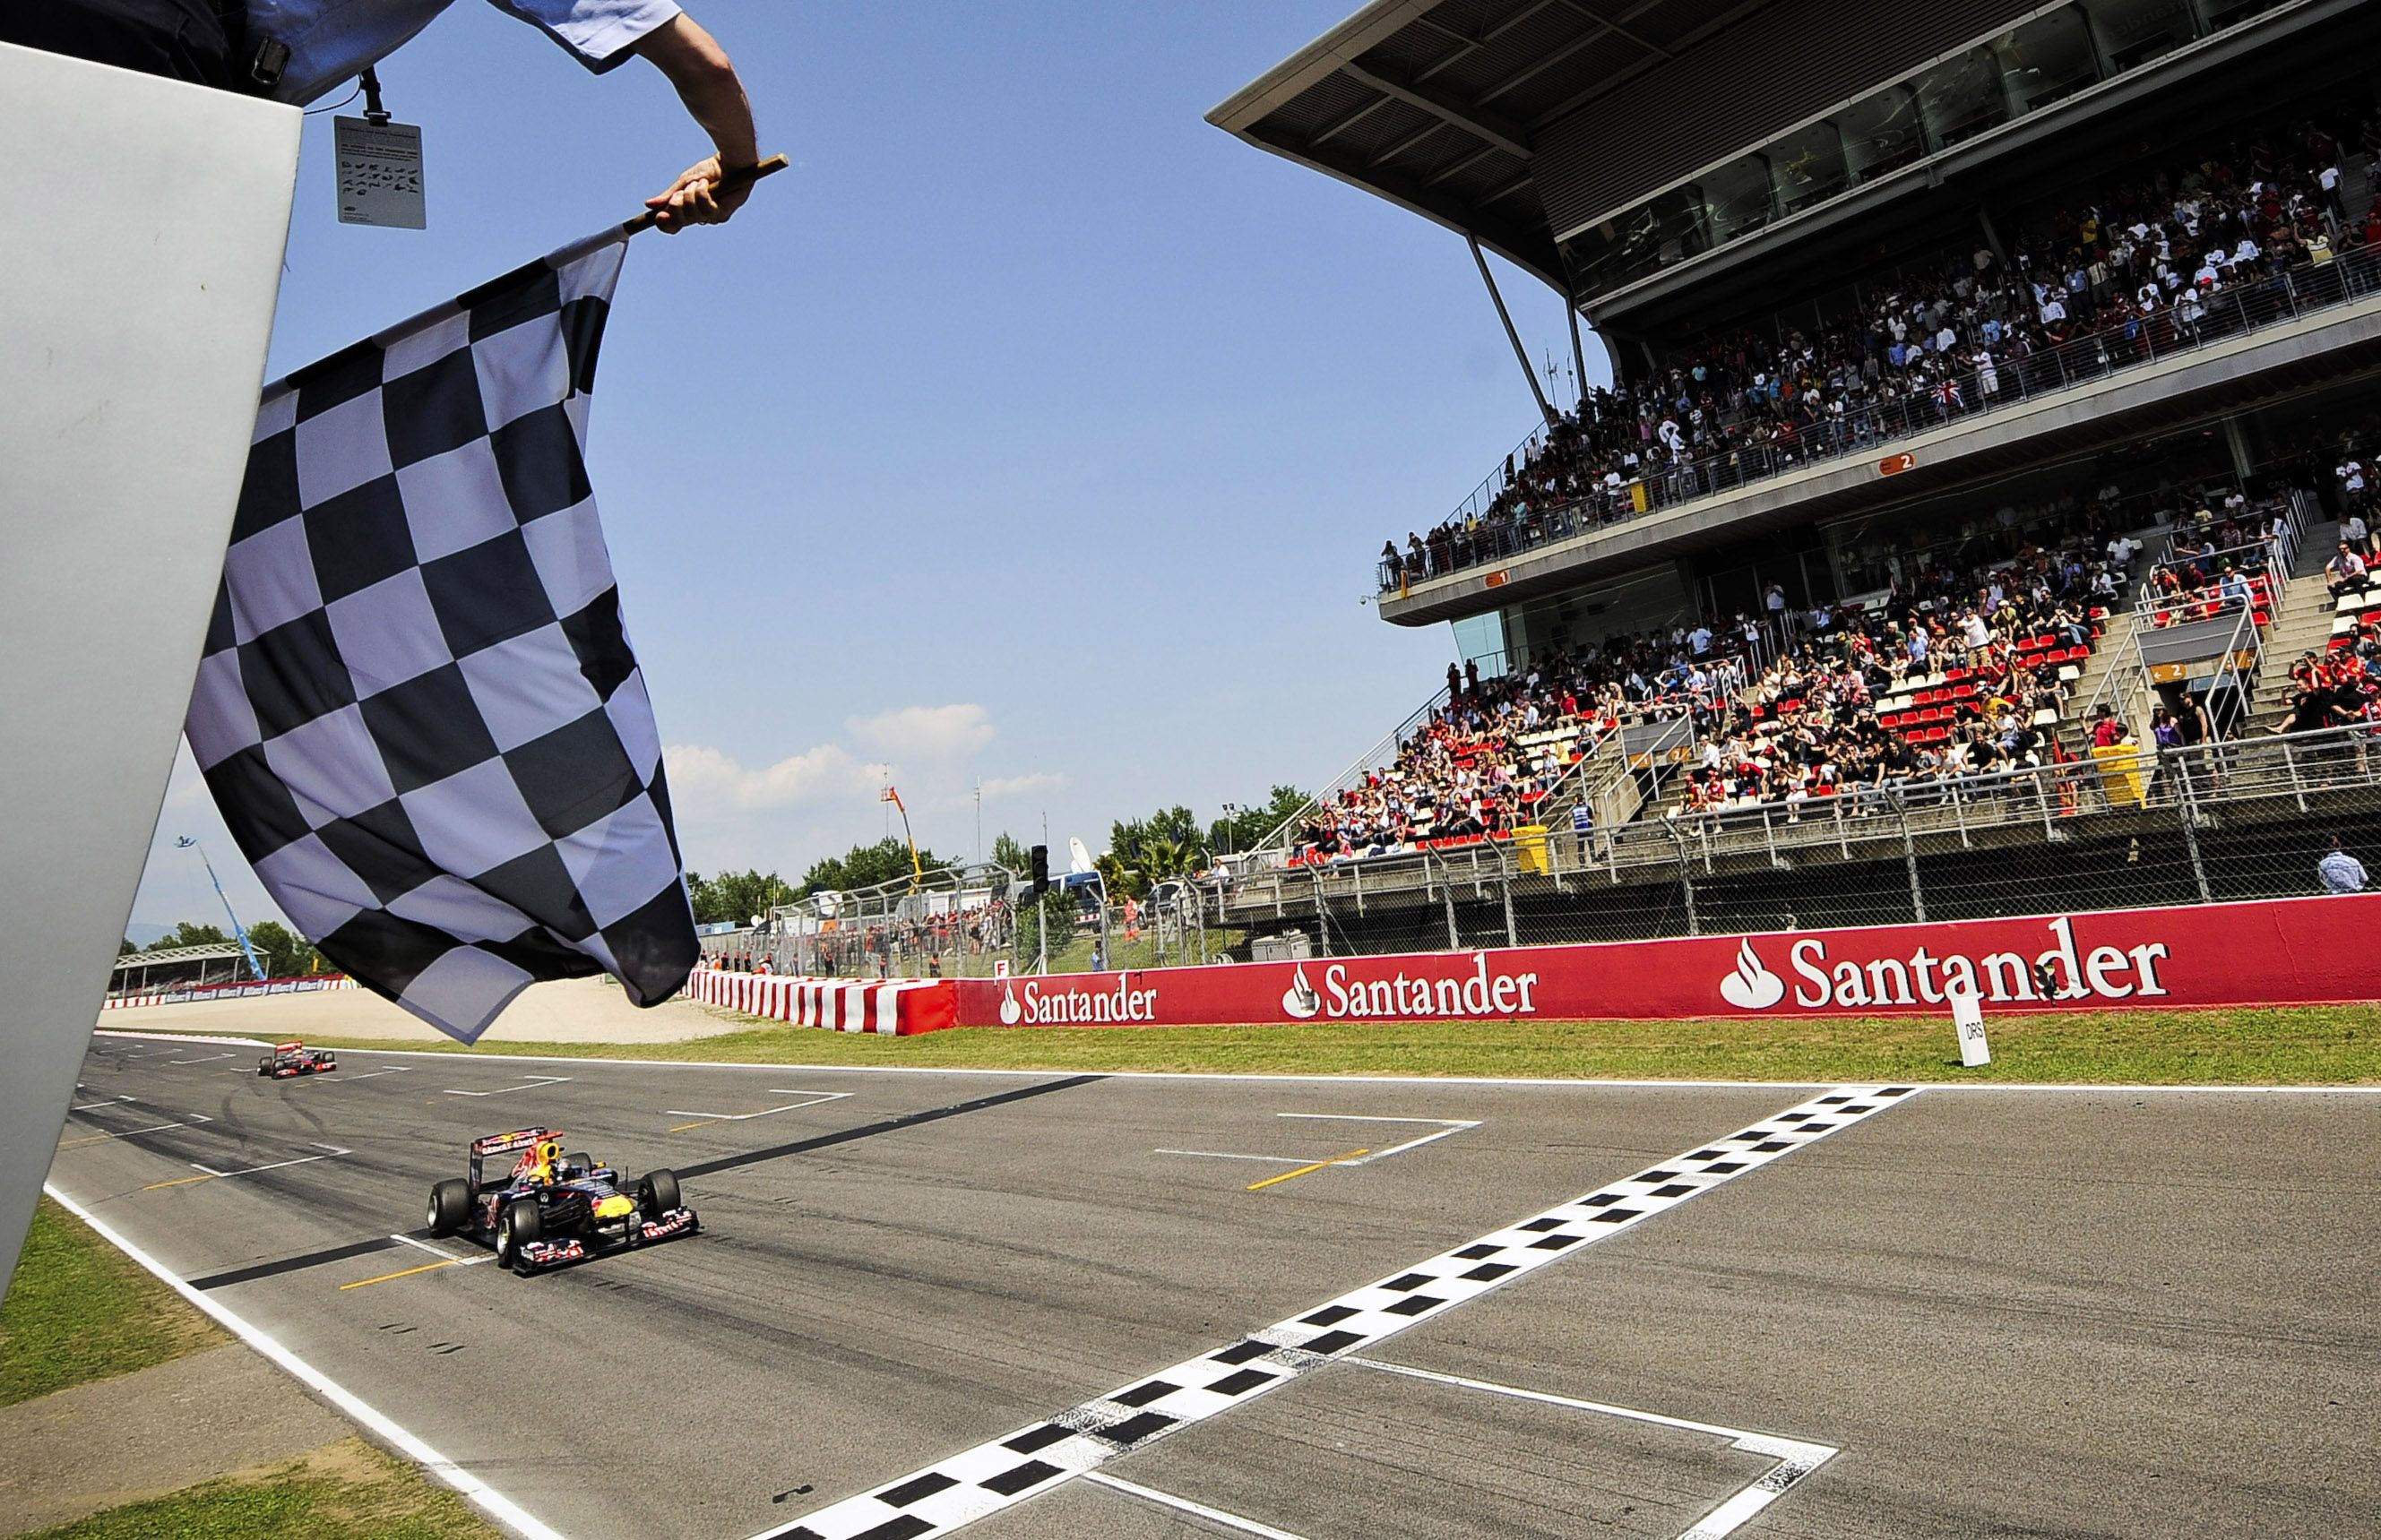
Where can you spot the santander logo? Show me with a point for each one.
(1752, 987)
(1300, 1001)
(2065, 971)
(1010, 1011)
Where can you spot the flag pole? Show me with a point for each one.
(729, 182)
(645, 221)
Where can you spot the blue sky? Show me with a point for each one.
(1029, 428)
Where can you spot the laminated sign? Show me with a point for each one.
(380, 174)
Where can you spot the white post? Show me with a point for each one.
(1968, 1021)
(134, 326)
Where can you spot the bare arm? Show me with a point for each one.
(706, 82)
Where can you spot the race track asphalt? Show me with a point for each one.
(2070, 1312)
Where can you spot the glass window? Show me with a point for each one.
(2132, 32)
(2221, 14)
(1737, 197)
(2048, 59)
(1806, 167)
(1961, 97)
(1481, 639)
(1628, 246)
(1880, 134)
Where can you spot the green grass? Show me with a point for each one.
(79, 1310)
(2293, 1046)
(343, 1490)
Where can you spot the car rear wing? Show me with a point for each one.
(287, 1048)
(503, 1144)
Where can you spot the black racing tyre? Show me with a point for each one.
(265, 1066)
(659, 1190)
(450, 1206)
(516, 1227)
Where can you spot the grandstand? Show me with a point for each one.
(1991, 389)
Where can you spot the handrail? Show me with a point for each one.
(1275, 838)
(2284, 765)
(1959, 395)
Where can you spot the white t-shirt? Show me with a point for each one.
(332, 41)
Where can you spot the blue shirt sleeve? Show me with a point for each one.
(598, 34)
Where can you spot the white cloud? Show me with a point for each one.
(187, 788)
(702, 776)
(1022, 785)
(925, 731)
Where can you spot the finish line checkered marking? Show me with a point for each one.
(956, 1492)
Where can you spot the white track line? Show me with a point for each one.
(1445, 1126)
(330, 1153)
(1796, 1457)
(193, 1120)
(816, 1098)
(1184, 1505)
(996, 1475)
(1553, 1082)
(495, 1504)
(534, 1082)
(208, 1060)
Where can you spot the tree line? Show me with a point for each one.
(1143, 852)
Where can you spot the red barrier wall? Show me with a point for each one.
(2289, 952)
(896, 1007)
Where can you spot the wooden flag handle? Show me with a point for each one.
(740, 178)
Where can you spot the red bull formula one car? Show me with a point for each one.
(288, 1060)
(540, 1207)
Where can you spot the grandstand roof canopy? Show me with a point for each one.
(1437, 104)
(167, 956)
(1529, 123)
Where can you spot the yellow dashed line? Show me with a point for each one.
(704, 1122)
(87, 1139)
(425, 1268)
(1303, 1169)
(178, 1181)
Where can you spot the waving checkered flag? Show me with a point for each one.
(418, 709)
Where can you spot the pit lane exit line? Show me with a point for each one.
(158, 1128)
(1445, 1127)
(704, 1120)
(208, 1173)
(444, 1260)
(533, 1080)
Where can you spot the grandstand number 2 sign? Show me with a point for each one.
(1894, 465)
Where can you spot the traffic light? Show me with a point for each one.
(1041, 870)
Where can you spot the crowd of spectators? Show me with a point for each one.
(2111, 273)
(1956, 669)
(1958, 675)
(2222, 562)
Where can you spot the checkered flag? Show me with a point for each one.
(418, 709)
